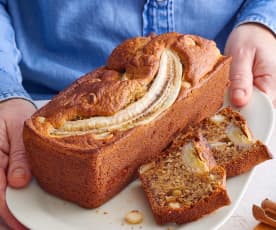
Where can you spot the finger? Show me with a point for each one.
(3, 181)
(18, 173)
(4, 143)
(3, 167)
(4, 211)
(266, 84)
(241, 76)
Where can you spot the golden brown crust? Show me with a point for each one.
(125, 52)
(247, 160)
(105, 166)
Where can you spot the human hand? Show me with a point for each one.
(14, 170)
(253, 48)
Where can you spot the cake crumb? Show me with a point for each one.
(105, 213)
(134, 217)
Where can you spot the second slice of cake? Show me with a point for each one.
(185, 183)
(232, 142)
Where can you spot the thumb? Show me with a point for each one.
(18, 173)
(241, 76)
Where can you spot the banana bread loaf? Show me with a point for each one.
(87, 143)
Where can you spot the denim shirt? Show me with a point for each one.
(46, 45)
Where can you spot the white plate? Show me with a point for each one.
(38, 210)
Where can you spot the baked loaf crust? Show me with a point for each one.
(185, 183)
(88, 142)
(232, 142)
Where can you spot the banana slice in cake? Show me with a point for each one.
(192, 160)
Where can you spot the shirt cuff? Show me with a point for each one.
(10, 89)
(259, 20)
(261, 12)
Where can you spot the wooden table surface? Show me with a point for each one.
(262, 185)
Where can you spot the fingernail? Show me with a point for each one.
(19, 173)
(238, 93)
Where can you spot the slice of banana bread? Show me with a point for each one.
(232, 142)
(184, 183)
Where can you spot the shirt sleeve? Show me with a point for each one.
(10, 75)
(258, 11)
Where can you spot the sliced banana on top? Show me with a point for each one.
(161, 95)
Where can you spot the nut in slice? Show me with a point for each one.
(174, 205)
(217, 118)
(144, 168)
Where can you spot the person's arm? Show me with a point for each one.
(10, 75)
(14, 169)
(252, 45)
